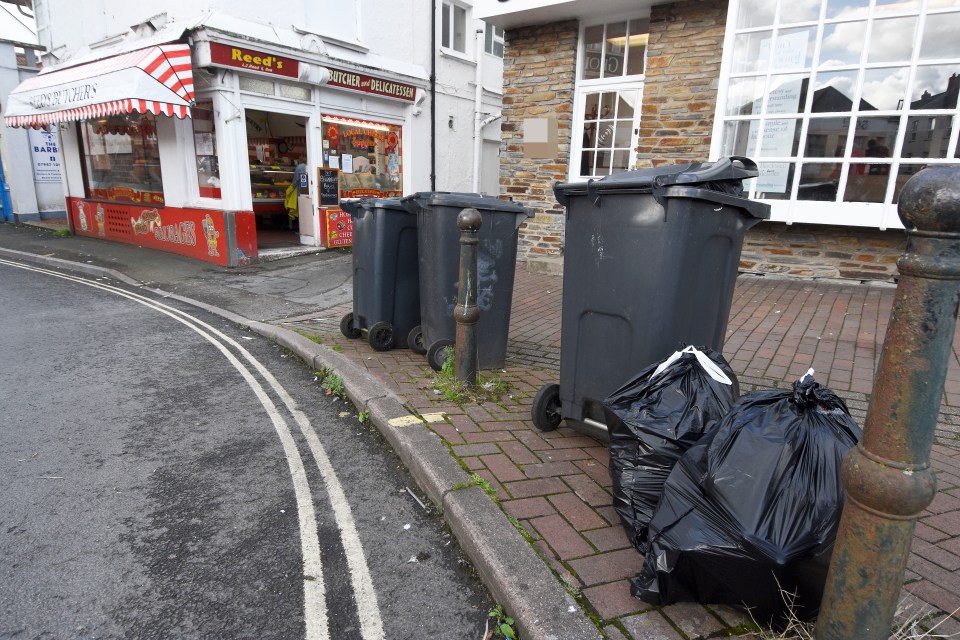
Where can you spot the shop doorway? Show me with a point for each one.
(276, 145)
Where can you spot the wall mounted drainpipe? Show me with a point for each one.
(433, 98)
(479, 122)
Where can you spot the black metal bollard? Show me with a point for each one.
(887, 477)
(467, 313)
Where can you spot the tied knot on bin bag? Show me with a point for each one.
(749, 514)
(653, 419)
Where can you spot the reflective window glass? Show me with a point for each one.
(892, 40)
(842, 44)
(847, 9)
(884, 89)
(940, 36)
(834, 91)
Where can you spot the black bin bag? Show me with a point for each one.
(750, 512)
(653, 419)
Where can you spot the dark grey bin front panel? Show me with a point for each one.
(439, 240)
(639, 282)
(386, 277)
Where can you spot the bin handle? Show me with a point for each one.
(593, 192)
(561, 197)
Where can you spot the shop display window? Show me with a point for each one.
(368, 155)
(837, 99)
(205, 143)
(121, 158)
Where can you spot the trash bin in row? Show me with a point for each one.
(439, 242)
(650, 263)
(386, 284)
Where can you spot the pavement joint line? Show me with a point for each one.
(496, 559)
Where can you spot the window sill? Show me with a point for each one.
(456, 55)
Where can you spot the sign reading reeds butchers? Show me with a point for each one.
(370, 84)
(64, 95)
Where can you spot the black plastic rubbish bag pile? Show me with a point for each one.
(752, 510)
(653, 419)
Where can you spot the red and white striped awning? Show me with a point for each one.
(158, 80)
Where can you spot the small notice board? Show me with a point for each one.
(328, 181)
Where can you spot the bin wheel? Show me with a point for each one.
(436, 355)
(380, 336)
(546, 408)
(415, 340)
(348, 328)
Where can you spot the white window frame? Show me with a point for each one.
(878, 215)
(493, 35)
(599, 85)
(448, 10)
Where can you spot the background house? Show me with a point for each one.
(30, 159)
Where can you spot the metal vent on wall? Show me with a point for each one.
(118, 222)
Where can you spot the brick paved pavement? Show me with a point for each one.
(557, 484)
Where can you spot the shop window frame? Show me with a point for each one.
(790, 209)
(114, 192)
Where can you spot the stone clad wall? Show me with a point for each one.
(538, 81)
(680, 91)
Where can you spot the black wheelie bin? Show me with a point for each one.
(650, 263)
(386, 282)
(439, 238)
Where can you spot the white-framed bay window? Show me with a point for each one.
(610, 73)
(839, 102)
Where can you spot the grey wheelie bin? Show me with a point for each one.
(650, 263)
(439, 238)
(386, 283)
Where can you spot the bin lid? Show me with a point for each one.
(726, 175)
(459, 200)
(723, 175)
(354, 206)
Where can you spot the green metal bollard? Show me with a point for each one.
(467, 313)
(887, 477)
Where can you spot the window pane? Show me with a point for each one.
(746, 52)
(927, 137)
(799, 11)
(736, 136)
(380, 145)
(780, 137)
(794, 49)
(488, 39)
(875, 137)
(864, 186)
(755, 13)
(834, 92)
(846, 9)
(592, 52)
(637, 46)
(621, 161)
(205, 143)
(842, 43)
(818, 181)
(587, 161)
(892, 40)
(884, 89)
(623, 134)
(826, 137)
(460, 29)
(498, 49)
(605, 136)
(616, 47)
(626, 106)
(445, 39)
(122, 159)
(787, 94)
(886, 6)
(935, 87)
(743, 95)
(774, 180)
(940, 36)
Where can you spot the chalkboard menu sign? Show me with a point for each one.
(329, 181)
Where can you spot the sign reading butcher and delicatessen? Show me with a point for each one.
(371, 84)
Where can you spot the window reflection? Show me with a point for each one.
(846, 9)
(842, 43)
(799, 11)
(884, 89)
(940, 36)
(774, 180)
(927, 137)
(935, 87)
(834, 92)
(755, 13)
(863, 186)
(892, 40)
(819, 180)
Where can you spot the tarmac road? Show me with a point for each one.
(156, 482)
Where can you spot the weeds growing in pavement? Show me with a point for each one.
(364, 417)
(488, 389)
(331, 383)
(502, 625)
(909, 624)
(61, 233)
(313, 337)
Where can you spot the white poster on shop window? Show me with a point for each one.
(45, 150)
(778, 135)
